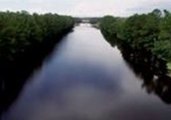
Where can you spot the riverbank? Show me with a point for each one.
(141, 32)
(23, 48)
(96, 25)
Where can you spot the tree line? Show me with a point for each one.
(146, 32)
(25, 40)
(21, 30)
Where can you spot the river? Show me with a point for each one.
(84, 78)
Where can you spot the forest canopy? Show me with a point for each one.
(21, 30)
(149, 32)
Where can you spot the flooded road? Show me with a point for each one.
(86, 79)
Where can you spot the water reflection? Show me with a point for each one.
(85, 79)
(13, 73)
(152, 70)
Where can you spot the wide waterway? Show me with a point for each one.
(84, 78)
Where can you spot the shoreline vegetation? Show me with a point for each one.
(145, 43)
(25, 40)
(21, 30)
(149, 33)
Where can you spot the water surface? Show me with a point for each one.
(86, 79)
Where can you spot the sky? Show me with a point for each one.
(86, 8)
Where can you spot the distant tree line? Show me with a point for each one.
(146, 32)
(21, 30)
(91, 20)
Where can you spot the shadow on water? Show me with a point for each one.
(151, 69)
(89, 80)
(145, 65)
(14, 73)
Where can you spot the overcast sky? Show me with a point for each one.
(86, 7)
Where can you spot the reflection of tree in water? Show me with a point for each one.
(151, 69)
(14, 73)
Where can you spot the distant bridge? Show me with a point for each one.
(92, 20)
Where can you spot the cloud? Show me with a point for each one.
(86, 7)
(147, 6)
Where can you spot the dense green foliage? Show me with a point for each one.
(19, 31)
(147, 32)
(25, 40)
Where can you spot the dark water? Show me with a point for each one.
(86, 79)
